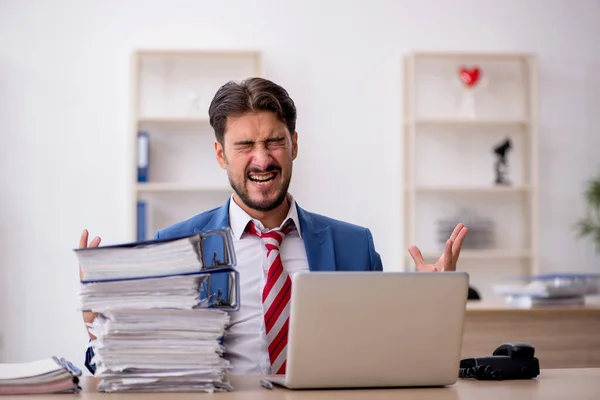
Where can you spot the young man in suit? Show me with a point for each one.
(256, 143)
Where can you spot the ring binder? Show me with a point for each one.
(221, 288)
(143, 156)
(191, 253)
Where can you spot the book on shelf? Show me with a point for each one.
(143, 164)
(164, 306)
(142, 224)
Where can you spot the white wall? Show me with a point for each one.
(64, 109)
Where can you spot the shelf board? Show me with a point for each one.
(468, 122)
(197, 53)
(472, 55)
(508, 254)
(179, 187)
(470, 189)
(172, 122)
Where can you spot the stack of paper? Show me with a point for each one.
(529, 301)
(549, 290)
(161, 324)
(161, 350)
(50, 375)
(136, 260)
(178, 292)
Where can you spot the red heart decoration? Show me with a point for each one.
(470, 77)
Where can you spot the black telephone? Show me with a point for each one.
(509, 361)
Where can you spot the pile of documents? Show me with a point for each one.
(49, 375)
(141, 260)
(160, 323)
(549, 290)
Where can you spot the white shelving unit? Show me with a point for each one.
(449, 160)
(171, 93)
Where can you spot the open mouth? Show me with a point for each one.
(263, 178)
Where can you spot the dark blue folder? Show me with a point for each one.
(215, 250)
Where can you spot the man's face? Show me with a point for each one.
(258, 154)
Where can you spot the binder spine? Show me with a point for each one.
(141, 220)
(224, 279)
(222, 289)
(143, 156)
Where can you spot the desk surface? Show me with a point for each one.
(550, 384)
(496, 308)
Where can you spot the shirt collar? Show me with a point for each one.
(238, 218)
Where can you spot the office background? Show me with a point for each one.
(65, 148)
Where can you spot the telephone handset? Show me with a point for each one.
(509, 361)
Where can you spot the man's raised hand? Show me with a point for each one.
(449, 259)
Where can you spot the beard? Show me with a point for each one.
(265, 204)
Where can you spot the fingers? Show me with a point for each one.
(95, 242)
(444, 263)
(458, 245)
(417, 257)
(83, 240)
(83, 244)
(457, 237)
(456, 231)
(447, 264)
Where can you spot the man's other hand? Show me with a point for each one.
(449, 259)
(88, 317)
(83, 244)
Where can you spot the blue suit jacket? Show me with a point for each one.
(331, 245)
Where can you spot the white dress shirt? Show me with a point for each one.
(246, 341)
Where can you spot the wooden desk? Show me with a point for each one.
(563, 337)
(551, 384)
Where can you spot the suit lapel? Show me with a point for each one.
(219, 220)
(317, 241)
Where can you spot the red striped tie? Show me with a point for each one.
(276, 296)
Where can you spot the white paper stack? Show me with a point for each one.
(559, 290)
(136, 260)
(177, 292)
(49, 375)
(154, 332)
(161, 350)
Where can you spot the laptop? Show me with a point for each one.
(374, 329)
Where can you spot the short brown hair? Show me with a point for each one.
(250, 95)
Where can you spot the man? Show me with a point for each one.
(256, 142)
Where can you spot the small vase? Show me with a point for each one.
(467, 108)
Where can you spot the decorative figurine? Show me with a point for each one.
(472, 80)
(470, 77)
(502, 162)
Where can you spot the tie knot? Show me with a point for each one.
(273, 235)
